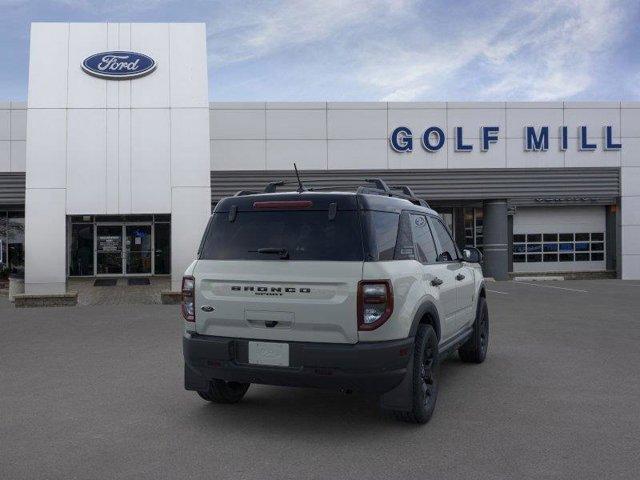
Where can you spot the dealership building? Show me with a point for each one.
(113, 164)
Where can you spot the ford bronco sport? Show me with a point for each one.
(358, 291)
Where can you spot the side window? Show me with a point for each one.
(382, 234)
(447, 251)
(424, 245)
(405, 250)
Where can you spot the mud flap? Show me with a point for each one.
(193, 380)
(401, 397)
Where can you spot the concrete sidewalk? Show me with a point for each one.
(121, 294)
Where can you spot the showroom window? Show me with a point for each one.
(558, 247)
(11, 242)
(447, 217)
(473, 227)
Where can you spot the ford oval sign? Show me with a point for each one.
(118, 65)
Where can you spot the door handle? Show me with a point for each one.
(436, 282)
(460, 277)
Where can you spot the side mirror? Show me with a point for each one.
(472, 255)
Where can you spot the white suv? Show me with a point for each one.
(361, 291)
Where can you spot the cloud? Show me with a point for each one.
(408, 50)
(545, 51)
(107, 7)
(388, 49)
(556, 57)
(263, 28)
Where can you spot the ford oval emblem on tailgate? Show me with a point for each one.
(207, 308)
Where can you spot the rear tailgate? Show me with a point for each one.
(281, 267)
(299, 301)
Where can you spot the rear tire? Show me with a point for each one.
(224, 392)
(425, 377)
(474, 350)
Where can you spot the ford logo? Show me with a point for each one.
(118, 65)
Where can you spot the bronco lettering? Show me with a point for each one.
(262, 290)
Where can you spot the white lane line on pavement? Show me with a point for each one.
(551, 286)
(496, 291)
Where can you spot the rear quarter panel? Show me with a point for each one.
(410, 291)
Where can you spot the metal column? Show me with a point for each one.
(496, 254)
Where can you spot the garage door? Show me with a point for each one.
(559, 239)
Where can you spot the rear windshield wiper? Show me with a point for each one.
(283, 252)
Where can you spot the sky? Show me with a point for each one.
(377, 50)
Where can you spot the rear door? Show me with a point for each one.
(461, 275)
(279, 274)
(438, 277)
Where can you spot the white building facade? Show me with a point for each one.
(114, 147)
(118, 176)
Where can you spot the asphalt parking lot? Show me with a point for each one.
(96, 392)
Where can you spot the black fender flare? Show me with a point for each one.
(401, 397)
(482, 293)
(482, 290)
(427, 307)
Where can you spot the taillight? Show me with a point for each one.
(189, 299)
(375, 303)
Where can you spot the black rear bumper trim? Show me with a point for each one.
(374, 367)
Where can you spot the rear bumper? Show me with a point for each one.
(374, 367)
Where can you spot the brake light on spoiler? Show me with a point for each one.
(283, 205)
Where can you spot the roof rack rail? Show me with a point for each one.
(329, 187)
(273, 186)
(406, 190)
(377, 186)
(381, 188)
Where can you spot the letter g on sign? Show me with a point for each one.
(401, 139)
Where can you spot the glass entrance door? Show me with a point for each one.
(117, 245)
(162, 241)
(109, 249)
(139, 250)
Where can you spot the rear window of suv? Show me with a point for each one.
(304, 235)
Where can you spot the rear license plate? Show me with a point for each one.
(269, 353)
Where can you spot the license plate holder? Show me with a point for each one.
(273, 354)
